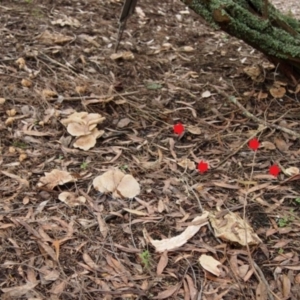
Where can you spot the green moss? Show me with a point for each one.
(277, 36)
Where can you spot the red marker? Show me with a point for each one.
(274, 170)
(202, 166)
(178, 128)
(253, 144)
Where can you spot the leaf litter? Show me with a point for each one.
(61, 236)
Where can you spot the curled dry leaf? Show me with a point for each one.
(116, 182)
(140, 12)
(181, 239)
(277, 91)
(76, 117)
(281, 144)
(87, 142)
(54, 178)
(47, 275)
(123, 122)
(82, 123)
(49, 38)
(26, 83)
(21, 62)
(233, 228)
(188, 49)
(126, 55)
(81, 89)
(66, 21)
(186, 164)
(206, 94)
(22, 157)
(11, 112)
(210, 264)
(292, 171)
(268, 145)
(194, 130)
(256, 72)
(71, 199)
(9, 120)
(48, 93)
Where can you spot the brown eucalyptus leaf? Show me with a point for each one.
(162, 263)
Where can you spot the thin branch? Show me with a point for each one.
(233, 100)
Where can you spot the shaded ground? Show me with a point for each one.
(181, 70)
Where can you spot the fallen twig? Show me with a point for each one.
(234, 100)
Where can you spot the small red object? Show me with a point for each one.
(202, 166)
(178, 128)
(254, 144)
(274, 170)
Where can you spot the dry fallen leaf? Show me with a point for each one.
(82, 123)
(116, 182)
(102, 225)
(123, 122)
(48, 93)
(261, 291)
(194, 130)
(233, 228)
(18, 291)
(22, 181)
(54, 178)
(88, 260)
(65, 20)
(84, 126)
(81, 89)
(140, 12)
(49, 38)
(88, 141)
(21, 62)
(286, 286)
(281, 144)
(210, 264)
(181, 239)
(268, 145)
(126, 55)
(11, 112)
(277, 91)
(256, 72)
(162, 263)
(292, 171)
(71, 199)
(26, 83)
(168, 292)
(206, 94)
(188, 49)
(186, 164)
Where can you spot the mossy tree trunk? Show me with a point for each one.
(259, 24)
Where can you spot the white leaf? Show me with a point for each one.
(116, 182)
(181, 239)
(210, 264)
(206, 94)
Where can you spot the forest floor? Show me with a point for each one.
(229, 225)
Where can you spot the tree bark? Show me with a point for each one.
(259, 24)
